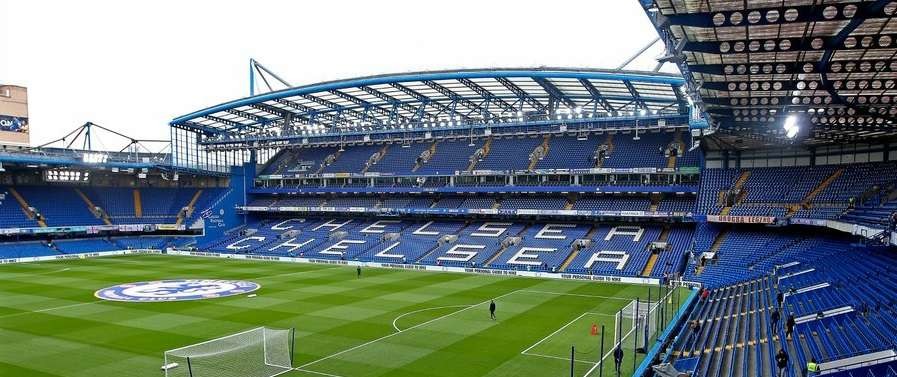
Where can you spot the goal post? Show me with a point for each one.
(641, 316)
(260, 352)
(637, 316)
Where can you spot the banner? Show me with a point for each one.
(477, 211)
(13, 130)
(741, 219)
(14, 125)
(813, 222)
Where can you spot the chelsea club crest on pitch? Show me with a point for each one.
(176, 290)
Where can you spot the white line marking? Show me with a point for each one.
(423, 310)
(602, 314)
(576, 295)
(555, 332)
(316, 372)
(557, 358)
(400, 332)
(50, 309)
(292, 273)
(609, 353)
(51, 272)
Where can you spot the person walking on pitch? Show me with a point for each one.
(618, 358)
(492, 309)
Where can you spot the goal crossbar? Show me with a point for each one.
(258, 352)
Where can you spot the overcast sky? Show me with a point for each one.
(133, 66)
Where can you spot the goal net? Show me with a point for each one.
(260, 352)
(636, 324)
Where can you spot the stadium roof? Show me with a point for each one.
(753, 62)
(443, 98)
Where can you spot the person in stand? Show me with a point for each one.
(705, 294)
(774, 317)
(780, 298)
(618, 358)
(696, 330)
(492, 309)
(789, 326)
(813, 367)
(782, 362)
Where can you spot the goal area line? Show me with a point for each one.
(305, 367)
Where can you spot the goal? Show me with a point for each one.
(260, 352)
(638, 322)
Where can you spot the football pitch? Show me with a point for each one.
(389, 322)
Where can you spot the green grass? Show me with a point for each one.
(51, 324)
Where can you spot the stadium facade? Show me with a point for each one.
(767, 167)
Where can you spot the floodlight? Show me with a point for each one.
(791, 127)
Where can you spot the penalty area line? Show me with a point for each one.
(589, 372)
(567, 359)
(395, 326)
(400, 331)
(316, 372)
(555, 332)
(575, 295)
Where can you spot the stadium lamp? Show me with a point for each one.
(790, 126)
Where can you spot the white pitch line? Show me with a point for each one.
(423, 310)
(293, 273)
(51, 272)
(608, 353)
(50, 309)
(555, 332)
(602, 314)
(399, 332)
(557, 358)
(575, 295)
(316, 372)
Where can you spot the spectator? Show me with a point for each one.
(789, 326)
(782, 362)
(618, 358)
(780, 298)
(774, 317)
(704, 295)
(695, 330)
(812, 367)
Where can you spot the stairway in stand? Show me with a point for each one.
(138, 204)
(485, 148)
(190, 207)
(739, 186)
(432, 149)
(805, 202)
(93, 208)
(535, 157)
(652, 260)
(26, 207)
